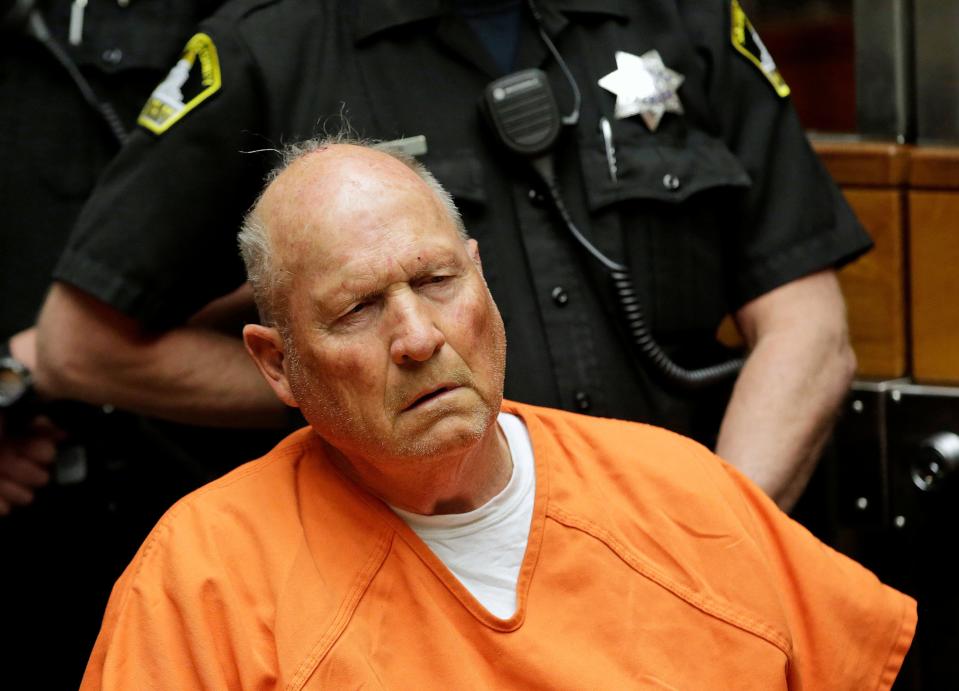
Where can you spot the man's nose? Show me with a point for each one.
(416, 337)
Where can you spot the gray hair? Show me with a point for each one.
(270, 283)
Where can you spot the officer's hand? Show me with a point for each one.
(25, 460)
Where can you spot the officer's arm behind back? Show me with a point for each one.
(155, 243)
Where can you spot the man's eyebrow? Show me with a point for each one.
(333, 302)
(442, 260)
(342, 295)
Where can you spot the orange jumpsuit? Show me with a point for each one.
(650, 564)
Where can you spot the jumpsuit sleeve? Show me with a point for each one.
(180, 617)
(848, 630)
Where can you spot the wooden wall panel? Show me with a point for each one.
(873, 285)
(862, 164)
(934, 295)
(934, 167)
(873, 175)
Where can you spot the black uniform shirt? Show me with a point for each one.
(116, 474)
(718, 205)
(52, 143)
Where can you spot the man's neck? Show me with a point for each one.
(453, 483)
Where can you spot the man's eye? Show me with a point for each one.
(433, 280)
(355, 311)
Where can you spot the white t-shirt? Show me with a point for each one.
(484, 548)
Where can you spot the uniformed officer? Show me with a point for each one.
(686, 163)
(73, 77)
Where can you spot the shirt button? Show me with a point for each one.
(536, 197)
(112, 56)
(671, 182)
(582, 401)
(560, 296)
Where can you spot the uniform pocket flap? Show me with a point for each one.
(664, 171)
(145, 34)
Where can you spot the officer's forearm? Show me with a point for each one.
(88, 351)
(786, 399)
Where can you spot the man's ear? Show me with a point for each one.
(265, 346)
(472, 249)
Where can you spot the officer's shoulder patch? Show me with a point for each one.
(746, 40)
(194, 78)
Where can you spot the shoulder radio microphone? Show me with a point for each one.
(523, 114)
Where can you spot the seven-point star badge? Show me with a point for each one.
(643, 85)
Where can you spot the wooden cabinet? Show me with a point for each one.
(934, 264)
(874, 286)
(903, 297)
(872, 177)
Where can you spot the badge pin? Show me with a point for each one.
(643, 86)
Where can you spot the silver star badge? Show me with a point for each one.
(643, 85)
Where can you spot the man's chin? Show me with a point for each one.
(442, 429)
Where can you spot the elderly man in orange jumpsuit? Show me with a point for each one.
(424, 533)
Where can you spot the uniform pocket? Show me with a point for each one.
(660, 170)
(672, 204)
(140, 35)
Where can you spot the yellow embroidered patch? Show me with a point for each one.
(185, 87)
(746, 40)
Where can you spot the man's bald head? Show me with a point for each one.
(316, 179)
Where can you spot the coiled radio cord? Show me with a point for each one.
(630, 304)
